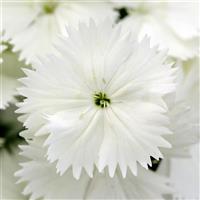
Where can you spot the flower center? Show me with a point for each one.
(49, 7)
(101, 100)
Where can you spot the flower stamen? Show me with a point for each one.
(101, 100)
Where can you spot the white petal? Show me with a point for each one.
(44, 182)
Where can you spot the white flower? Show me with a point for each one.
(8, 166)
(10, 72)
(3, 45)
(33, 26)
(184, 175)
(188, 89)
(42, 181)
(2, 48)
(9, 158)
(167, 24)
(125, 4)
(99, 101)
(181, 162)
(183, 111)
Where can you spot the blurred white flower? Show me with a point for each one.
(183, 111)
(184, 173)
(3, 45)
(10, 128)
(100, 102)
(8, 166)
(167, 24)
(189, 85)
(33, 26)
(181, 162)
(124, 3)
(9, 158)
(2, 48)
(10, 72)
(42, 181)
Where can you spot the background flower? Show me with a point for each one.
(166, 24)
(9, 158)
(180, 163)
(2, 48)
(9, 165)
(184, 173)
(10, 72)
(34, 26)
(183, 110)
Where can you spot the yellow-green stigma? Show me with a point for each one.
(101, 100)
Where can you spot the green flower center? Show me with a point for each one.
(101, 100)
(49, 7)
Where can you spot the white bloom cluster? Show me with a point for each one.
(110, 95)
